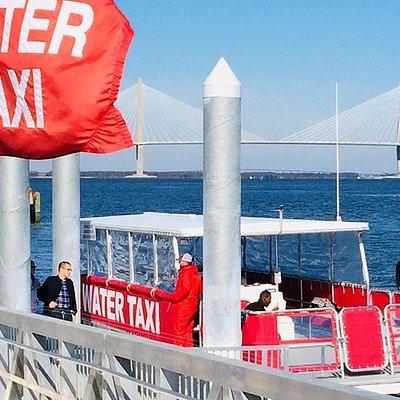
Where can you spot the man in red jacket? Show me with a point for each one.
(186, 297)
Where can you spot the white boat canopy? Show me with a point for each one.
(190, 225)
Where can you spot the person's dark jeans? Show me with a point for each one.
(58, 313)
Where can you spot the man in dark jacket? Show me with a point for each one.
(58, 294)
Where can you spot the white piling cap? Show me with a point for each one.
(222, 82)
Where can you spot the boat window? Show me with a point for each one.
(84, 256)
(186, 245)
(98, 252)
(256, 254)
(120, 255)
(143, 259)
(288, 248)
(193, 246)
(166, 263)
(198, 252)
(347, 266)
(315, 257)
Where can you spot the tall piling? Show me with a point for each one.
(14, 234)
(66, 215)
(222, 207)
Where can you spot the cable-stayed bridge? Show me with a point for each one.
(372, 123)
(162, 119)
(170, 121)
(155, 118)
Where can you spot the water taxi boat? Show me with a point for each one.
(325, 319)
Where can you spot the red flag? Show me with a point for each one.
(61, 64)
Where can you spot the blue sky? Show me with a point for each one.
(287, 54)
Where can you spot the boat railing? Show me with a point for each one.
(43, 357)
(358, 340)
(276, 357)
(299, 292)
(310, 338)
(297, 358)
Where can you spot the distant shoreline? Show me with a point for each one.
(255, 175)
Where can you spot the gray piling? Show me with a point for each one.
(66, 215)
(222, 207)
(14, 234)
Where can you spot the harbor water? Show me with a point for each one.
(373, 201)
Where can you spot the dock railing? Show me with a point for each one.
(43, 358)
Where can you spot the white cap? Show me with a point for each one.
(222, 82)
(187, 257)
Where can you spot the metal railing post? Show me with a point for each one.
(203, 376)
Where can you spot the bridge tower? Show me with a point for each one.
(398, 160)
(139, 135)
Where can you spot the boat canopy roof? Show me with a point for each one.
(190, 225)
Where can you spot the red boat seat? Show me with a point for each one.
(347, 295)
(395, 298)
(364, 346)
(261, 329)
(380, 298)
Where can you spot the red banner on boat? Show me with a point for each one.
(61, 64)
(126, 307)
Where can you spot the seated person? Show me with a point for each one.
(262, 303)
